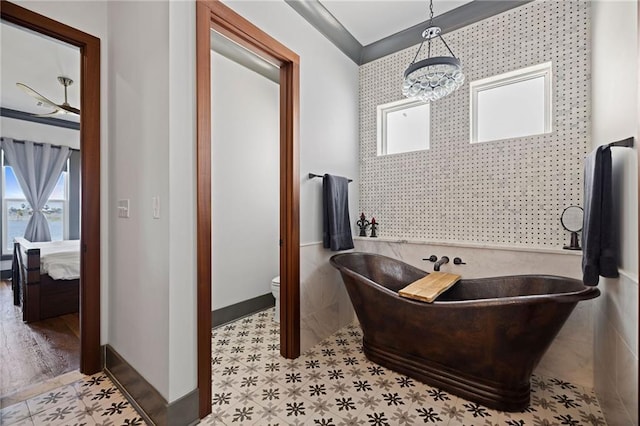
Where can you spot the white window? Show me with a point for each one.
(511, 105)
(16, 212)
(403, 126)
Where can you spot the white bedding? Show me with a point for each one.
(59, 259)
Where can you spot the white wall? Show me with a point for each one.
(614, 111)
(91, 17)
(329, 129)
(182, 185)
(148, 64)
(245, 190)
(149, 151)
(328, 107)
(614, 117)
(139, 153)
(38, 132)
(152, 310)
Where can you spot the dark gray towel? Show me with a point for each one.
(336, 232)
(599, 248)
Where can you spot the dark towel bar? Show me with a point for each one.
(624, 143)
(313, 175)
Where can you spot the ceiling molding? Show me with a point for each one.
(321, 19)
(452, 20)
(25, 116)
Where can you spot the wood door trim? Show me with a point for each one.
(212, 14)
(203, 206)
(90, 359)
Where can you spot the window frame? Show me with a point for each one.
(381, 124)
(544, 70)
(3, 206)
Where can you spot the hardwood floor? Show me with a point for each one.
(33, 353)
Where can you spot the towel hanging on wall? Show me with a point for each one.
(599, 248)
(336, 232)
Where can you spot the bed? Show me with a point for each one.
(46, 278)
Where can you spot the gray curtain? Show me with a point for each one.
(37, 168)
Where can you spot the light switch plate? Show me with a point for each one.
(123, 208)
(155, 201)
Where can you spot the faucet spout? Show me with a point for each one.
(439, 263)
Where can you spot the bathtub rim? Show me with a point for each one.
(586, 293)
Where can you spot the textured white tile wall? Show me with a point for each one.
(506, 192)
(325, 306)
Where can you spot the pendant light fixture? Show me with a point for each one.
(434, 77)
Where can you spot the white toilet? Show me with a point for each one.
(275, 290)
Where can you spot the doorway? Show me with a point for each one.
(245, 174)
(89, 157)
(213, 15)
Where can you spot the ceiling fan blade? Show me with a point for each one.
(64, 108)
(37, 95)
(69, 109)
(50, 114)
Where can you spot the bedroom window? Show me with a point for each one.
(511, 105)
(403, 126)
(16, 211)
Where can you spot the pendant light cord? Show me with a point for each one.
(446, 45)
(417, 53)
(429, 39)
(430, 25)
(430, 12)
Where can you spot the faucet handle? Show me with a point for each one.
(432, 258)
(458, 261)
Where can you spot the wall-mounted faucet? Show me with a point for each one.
(439, 263)
(442, 261)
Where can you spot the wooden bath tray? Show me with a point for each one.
(428, 288)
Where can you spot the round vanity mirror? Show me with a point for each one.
(571, 220)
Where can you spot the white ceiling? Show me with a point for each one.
(371, 20)
(36, 61)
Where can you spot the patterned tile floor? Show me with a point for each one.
(93, 400)
(334, 384)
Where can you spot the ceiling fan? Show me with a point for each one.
(63, 108)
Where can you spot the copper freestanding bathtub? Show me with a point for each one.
(481, 339)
